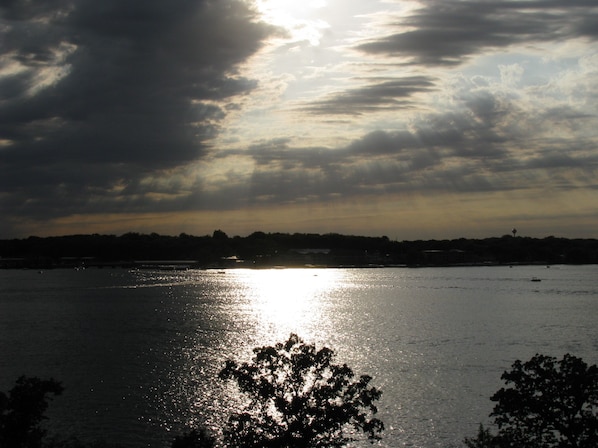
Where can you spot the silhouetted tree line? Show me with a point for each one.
(298, 397)
(262, 249)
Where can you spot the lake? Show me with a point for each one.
(138, 351)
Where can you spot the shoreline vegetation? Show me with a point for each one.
(267, 250)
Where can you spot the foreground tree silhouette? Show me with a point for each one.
(550, 404)
(300, 398)
(22, 411)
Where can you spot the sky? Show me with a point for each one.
(427, 119)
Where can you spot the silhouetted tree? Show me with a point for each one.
(22, 411)
(299, 398)
(550, 404)
(219, 235)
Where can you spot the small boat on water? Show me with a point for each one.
(536, 279)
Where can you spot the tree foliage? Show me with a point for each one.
(298, 398)
(22, 411)
(484, 439)
(549, 403)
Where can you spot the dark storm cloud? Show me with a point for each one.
(447, 32)
(375, 96)
(130, 88)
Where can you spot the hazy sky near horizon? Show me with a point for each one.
(411, 119)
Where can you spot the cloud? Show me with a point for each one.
(488, 136)
(376, 95)
(486, 143)
(447, 33)
(130, 88)
(123, 107)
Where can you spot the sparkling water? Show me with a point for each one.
(139, 351)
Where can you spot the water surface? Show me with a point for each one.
(139, 351)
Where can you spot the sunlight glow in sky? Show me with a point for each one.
(297, 18)
(413, 119)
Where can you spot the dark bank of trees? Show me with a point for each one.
(298, 249)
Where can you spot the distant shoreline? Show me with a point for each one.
(262, 250)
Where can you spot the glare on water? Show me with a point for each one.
(288, 300)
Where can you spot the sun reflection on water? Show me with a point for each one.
(290, 300)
